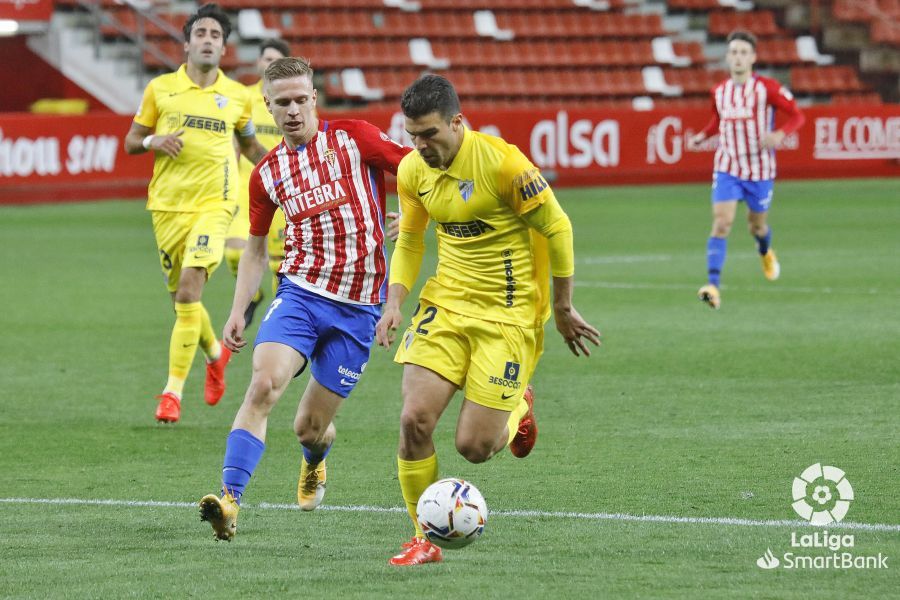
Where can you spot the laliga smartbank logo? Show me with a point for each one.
(830, 497)
(822, 495)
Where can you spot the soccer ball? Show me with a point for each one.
(452, 513)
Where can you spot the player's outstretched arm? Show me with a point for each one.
(254, 262)
(574, 329)
(391, 317)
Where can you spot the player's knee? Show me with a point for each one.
(416, 426)
(474, 451)
(722, 227)
(264, 390)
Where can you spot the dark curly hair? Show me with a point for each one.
(208, 11)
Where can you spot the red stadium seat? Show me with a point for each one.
(777, 52)
(693, 50)
(759, 23)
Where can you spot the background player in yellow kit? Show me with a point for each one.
(269, 136)
(188, 119)
(479, 323)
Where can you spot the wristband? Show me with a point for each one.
(146, 142)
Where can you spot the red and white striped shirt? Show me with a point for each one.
(332, 193)
(742, 115)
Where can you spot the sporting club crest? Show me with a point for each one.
(221, 101)
(330, 156)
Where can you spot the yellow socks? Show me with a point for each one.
(208, 342)
(512, 425)
(232, 258)
(415, 476)
(183, 344)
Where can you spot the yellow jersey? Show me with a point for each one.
(204, 175)
(267, 132)
(491, 264)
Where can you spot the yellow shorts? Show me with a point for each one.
(240, 224)
(493, 361)
(190, 240)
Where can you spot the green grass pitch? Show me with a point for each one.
(683, 412)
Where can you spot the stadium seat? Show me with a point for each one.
(655, 82)
(760, 23)
(421, 53)
(777, 52)
(664, 53)
(808, 51)
(251, 27)
(354, 84)
(825, 80)
(486, 26)
(693, 50)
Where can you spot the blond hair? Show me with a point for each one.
(286, 68)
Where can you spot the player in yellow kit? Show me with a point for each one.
(188, 119)
(479, 323)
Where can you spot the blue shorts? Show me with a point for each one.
(334, 337)
(757, 194)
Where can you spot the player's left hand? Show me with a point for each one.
(233, 335)
(575, 330)
(393, 226)
(772, 139)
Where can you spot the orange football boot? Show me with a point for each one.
(215, 378)
(526, 436)
(417, 551)
(169, 409)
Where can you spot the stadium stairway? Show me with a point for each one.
(105, 72)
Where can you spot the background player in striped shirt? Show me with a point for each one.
(189, 119)
(744, 164)
(480, 320)
(328, 178)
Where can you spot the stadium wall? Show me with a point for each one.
(51, 158)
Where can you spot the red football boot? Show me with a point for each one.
(215, 378)
(526, 436)
(417, 551)
(169, 409)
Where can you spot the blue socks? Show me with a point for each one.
(715, 258)
(242, 453)
(763, 243)
(312, 457)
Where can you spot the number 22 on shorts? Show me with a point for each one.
(430, 314)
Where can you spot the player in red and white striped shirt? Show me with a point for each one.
(328, 178)
(744, 167)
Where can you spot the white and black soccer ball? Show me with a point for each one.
(452, 513)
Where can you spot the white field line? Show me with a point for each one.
(616, 285)
(496, 513)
